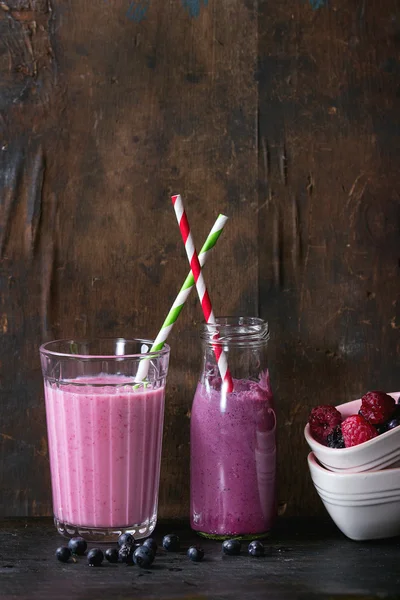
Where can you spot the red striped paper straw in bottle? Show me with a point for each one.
(201, 288)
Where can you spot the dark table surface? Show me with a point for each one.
(305, 559)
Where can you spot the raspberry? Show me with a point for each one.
(377, 407)
(335, 439)
(323, 420)
(356, 430)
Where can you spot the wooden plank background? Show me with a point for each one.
(284, 115)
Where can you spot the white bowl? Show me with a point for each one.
(379, 453)
(365, 506)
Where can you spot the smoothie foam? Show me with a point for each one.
(233, 460)
(105, 450)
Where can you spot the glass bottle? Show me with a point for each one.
(233, 435)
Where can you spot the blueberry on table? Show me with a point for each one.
(125, 554)
(126, 538)
(151, 543)
(95, 557)
(143, 557)
(195, 553)
(171, 542)
(256, 548)
(63, 554)
(231, 547)
(77, 545)
(111, 555)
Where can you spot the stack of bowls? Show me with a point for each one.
(359, 486)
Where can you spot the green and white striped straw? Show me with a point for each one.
(182, 296)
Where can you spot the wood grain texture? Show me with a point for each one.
(28, 134)
(285, 116)
(329, 211)
(135, 112)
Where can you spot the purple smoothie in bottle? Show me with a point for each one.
(233, 435)
(233, 461)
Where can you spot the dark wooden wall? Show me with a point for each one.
(284, 115)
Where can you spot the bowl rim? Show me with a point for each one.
(313, 461)
(346, 451)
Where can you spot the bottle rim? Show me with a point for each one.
(235, 331)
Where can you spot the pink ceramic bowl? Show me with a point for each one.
(365, 506)
(376, 454)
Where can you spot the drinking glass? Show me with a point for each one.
(105, 435)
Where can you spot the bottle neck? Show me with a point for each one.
(236, 332)
(244, 342)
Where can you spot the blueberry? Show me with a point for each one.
(393, 423)
(231, 547)
(126, 538)
(95, 557)
(77, 545)
(151, 543)
(256, 548)
(171, 543)
(111, 555)
(63, 554)
(195, 553)
(143, 557)
(125, 554)
(381, 428)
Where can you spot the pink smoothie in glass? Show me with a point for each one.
(233, 460)
(105, 450)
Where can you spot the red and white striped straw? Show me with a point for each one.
(201, 288)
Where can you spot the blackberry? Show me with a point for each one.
(335, 439)
(126, 538)
(125, 553)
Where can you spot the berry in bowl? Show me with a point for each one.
(361, 435)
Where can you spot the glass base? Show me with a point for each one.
(104, 534)
(234, 536)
